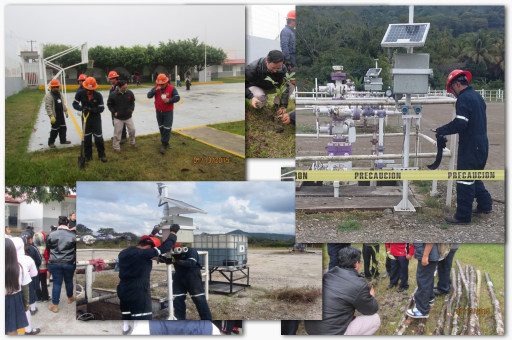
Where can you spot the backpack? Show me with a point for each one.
(444, 250)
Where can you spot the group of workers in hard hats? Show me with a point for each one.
(121, 103)
(135, 265)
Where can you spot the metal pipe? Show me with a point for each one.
(451, 166)
(377, 101)
(169, 293)
(446, 153)
(86, 263)
(394, 134)
(88, 281)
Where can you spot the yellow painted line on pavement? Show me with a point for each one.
(191, 127)
(215, 146)
(152, 110)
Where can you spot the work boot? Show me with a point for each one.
(123, 140)
(135, 146)
(117, 150)
(54, 308)
(401, 289)
(52, 146)
(71, 299)
(162, 149)
(453, 220)
(66, 142)
(438, 292)
(127, 331)
(104, 159)
(87, 159)
(481, 212)
(390, 287)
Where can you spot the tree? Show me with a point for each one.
(104, 58)
(153, 59)
(133, 59)
(80, 228)
(106, 231)
(214, 56)
(479, 48)
(40, 194)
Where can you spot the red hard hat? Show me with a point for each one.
(113, 74)
(155, 240)
(291, 15)
(82, 77)
(454, 75)
(90, 84)
(176, 245)
(161, 79)
(54, 83)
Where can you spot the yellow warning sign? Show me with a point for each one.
(406, 175)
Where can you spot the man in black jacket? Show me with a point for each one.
(91, 102)
(344, 291)
(121, 103)
(134, 273)
(257, 88)
(187, 278)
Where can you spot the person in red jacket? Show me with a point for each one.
(165, 96)
(402, 252)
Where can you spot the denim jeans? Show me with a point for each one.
(332, 250)
(444, 268)
(62, 272)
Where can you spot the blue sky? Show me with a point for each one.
(133, 206)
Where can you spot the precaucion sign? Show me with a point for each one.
(420, 175)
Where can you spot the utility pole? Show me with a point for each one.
(205, 53)
(31, 41)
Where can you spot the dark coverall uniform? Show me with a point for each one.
(123, 134)
(134, 272)
(93, 126)
(59, 128)
(471, 124)
(187, 278)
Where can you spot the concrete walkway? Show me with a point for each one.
(223, 140)
(202, 105)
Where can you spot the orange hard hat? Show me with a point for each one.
(176, 245)
(155, 240)
(161, 79)
(291, 15)
(90, 84)
(112, 74)
(455, 74)
(82, 77)
(54, 83)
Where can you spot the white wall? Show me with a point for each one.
(32, 212)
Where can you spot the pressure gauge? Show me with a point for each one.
(389, 93)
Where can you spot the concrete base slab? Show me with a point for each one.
(224, 140)
(320, 199)
(204, 104)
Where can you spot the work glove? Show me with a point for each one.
(79, 113)
(288, 63)
(155, 230)
(53, 120)
(175, 228)
(166, 260)
(66, 113)
(86, 109)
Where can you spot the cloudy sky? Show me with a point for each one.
(128, 25)
(133, 206)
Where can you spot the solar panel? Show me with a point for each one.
(405, 35)
(373, 72)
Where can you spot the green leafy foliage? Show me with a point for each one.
(39, 194)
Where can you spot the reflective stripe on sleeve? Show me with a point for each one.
(462, 117)
(466, 182)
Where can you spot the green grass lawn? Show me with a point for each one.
(240, 79)
(262, 140)
(486, 257)
(238, 128)
(59, 166)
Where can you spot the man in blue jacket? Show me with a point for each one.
(287, 38)
(187, 278)
(471, 124)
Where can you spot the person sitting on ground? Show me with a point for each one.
(344, 292)
(402, 253)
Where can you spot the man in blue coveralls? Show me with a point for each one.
(471, 124)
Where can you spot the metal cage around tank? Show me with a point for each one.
(224, 251)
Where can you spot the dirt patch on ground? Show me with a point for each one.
(270, 271)
(424, 225)
(265, 137)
